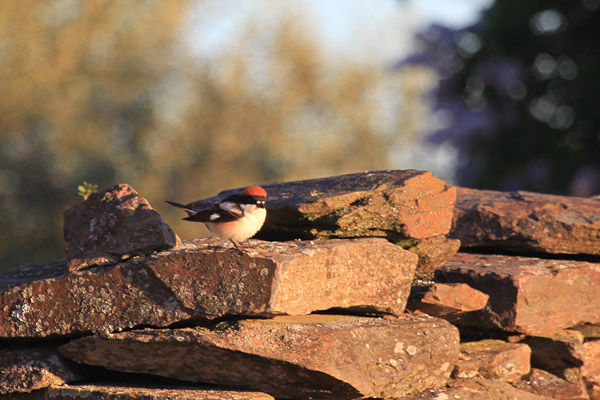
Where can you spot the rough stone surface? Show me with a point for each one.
(203, 279)
(544, 383)
(117, 392)
(31, 368)
(589, 331)
(392, 204)
(493, 359)
(527, 294)
(527, 221)
(317, 356)
(446, 299)
(560, 353)
(433, 252)
(590, 371)
(477, 389)
(112, 224)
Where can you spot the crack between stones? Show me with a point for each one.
(490, 250)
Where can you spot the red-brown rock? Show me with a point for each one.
(316, 356)
(493, 359)
(527, 221)
(590, 371)
(433, 252)
(121, 392)
(477, 389)
(202, 279)
(589, 331)
(544, 383)
(560, 353)
(448, 299)
(23, 369)
(566, 355)
(527, 294)
(391, 204)
(112, 224)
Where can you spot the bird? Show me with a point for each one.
(237, 217)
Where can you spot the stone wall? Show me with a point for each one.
(356, 290)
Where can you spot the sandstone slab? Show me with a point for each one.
(119, 392)
(202, 279)
(590, 370)
(23, 369)
(447, 299)
(315, 356)
(544, 383)
(477, 389)
(560, 352)
(433, 252)
(493, 359)
(566, 355)
(112, 224)
(589, 331)
(528, 294)
(527, 221)
(391, 204)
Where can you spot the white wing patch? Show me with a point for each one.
(231, 207)
(228, 206)
(214, 216)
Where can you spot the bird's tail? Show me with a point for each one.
(186, 208)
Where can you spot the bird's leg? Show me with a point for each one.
(237, 246)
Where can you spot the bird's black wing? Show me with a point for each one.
(224, 212)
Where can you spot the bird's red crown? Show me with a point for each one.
(255, 191)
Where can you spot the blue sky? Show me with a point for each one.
(338, 20)
(452, 13)
(346, 28)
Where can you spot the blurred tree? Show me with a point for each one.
(518, 95)
(76, 78)
(106, 92)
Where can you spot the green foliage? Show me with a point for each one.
(86, 189)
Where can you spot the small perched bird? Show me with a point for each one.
(237, 217)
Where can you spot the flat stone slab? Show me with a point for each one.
(589, 331)
(528, 294)
(566, 355)
(477, 389)
(118, 392)
(544, 383)
(313, 356)
(35, 367)
(493, 359)
(559, 352)
(446, 300)
(392, 204)
(206, 279)
(111, 224)
(590, 371)
(527, 221)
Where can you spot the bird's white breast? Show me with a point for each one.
(242, 228)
